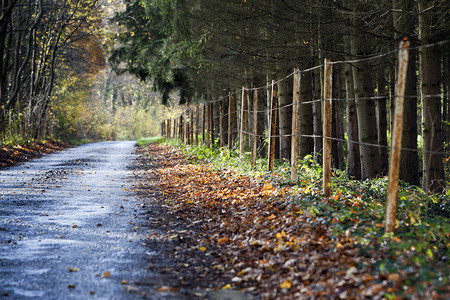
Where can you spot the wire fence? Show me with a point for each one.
(245, 120)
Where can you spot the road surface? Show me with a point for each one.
(71, 228)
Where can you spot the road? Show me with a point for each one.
(71, 228)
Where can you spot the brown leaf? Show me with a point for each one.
(107, 274)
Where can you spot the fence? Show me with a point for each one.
(187, 127)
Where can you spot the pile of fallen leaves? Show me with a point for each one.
(260, 243)
(11, 155)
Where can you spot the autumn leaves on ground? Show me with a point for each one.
(245, 234)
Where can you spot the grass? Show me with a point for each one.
(149, 140)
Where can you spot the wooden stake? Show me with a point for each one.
(221, 136)
(169, 133)
(191, 131)
(328, 74)
(243, 122)
(211, 124)
(255, 127)
(273, 124)
(181, 134)
(204, 124)
(197, 123)
(231, 111)
(295, 126)
(394, 162)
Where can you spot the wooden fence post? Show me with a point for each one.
(197, 123)
(191, 131)
(221, 135)
(328, 74)
(210, 125)
(169, 123)
(243, 122)
(255, 127)
(295, 125)
(230, 120)
(273, 123)
(204, 124)
(175, 128)
(181, 129)
(394, 162)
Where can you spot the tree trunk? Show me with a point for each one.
(285, 116)
(382, 92)
(306, 115)
(404, 23)
(317, 115)
(337, 147)
(430, 67)
(365, 107)
(353, 156)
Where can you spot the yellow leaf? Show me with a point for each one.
(338, 245)
(107, 274)
(287, 284)
(72, 269)
(202, 248)
(222, 240)
(226, 287)
(394, 277)
(164, 289)
(267, 187)
(124, 282)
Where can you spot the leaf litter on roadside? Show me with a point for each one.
(261, 243)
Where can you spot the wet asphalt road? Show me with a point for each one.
(74, 210)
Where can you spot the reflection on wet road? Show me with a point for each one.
(67, 221)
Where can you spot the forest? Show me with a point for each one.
(205, 50)
(281, 126)
(56, 80)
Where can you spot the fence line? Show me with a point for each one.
(234, 127)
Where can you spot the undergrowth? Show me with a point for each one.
(419, 249)
(149, 140)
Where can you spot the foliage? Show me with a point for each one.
(353, 217)
(106, 106)
(149, 140)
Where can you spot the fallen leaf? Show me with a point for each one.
(72, 269)
(202, 248)
(164, 288)
(130, 288)
(107, 274)
(351, 271)
(71, 286)
(222, 240)
(394, 277)
(74, 226)
(226, 287)
(287, 284)
(124, 282)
